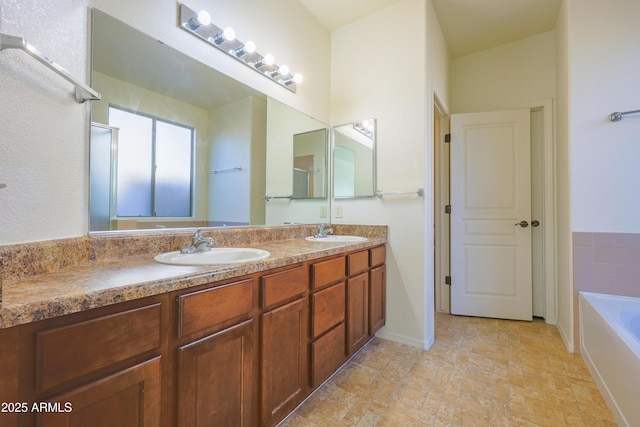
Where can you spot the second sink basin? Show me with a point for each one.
(213, 257)
(336, 239)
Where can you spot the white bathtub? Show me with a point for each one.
(610, 345)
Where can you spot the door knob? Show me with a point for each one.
(535, 223)
(523, 224)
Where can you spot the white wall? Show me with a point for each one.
(597, 177)
(44, 132)
(375, 76)
(564, 263)
(603, 40)
(504, 77)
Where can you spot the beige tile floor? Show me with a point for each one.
(479, 372)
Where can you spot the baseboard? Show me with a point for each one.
(402, 339)
(565, 338)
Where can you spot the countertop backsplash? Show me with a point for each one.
(21, 261)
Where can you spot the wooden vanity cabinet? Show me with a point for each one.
(243, 352)
(284, 366)
(216, 373)
(357, 312)
(130, 397)
(327, 319)
(99, 367)
(366, 296)
(377, 298)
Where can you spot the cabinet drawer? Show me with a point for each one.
(70, 352)
(378, 256)
(357, 263)
(280, 287)
(327, 308)
(327, 272)
(205, 309)
(327, 354)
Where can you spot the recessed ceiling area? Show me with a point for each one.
(334, 14)
(468, 25)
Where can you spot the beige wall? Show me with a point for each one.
(507, 76)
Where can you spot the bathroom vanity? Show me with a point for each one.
(195, 346)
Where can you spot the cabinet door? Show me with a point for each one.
(130, 398)
(215, 379)
(284, 360)
(357, 312)
(327, 354)
(377, 299)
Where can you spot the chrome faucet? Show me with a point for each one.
(198, 243)
(323, 231)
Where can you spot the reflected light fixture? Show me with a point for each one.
(199, 24)
(365, 127)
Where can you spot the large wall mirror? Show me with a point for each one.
(354, 154)
(175, 143)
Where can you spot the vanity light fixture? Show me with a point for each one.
(199, 24)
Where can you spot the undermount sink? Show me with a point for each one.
(337, 239)
(215, 256)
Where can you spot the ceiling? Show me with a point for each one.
(468, 25)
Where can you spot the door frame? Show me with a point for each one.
(441, 198)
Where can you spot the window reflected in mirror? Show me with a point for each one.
(154, 159)
(354, 159)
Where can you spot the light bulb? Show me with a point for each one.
(364, 124)
(283, 70)
(297, 78)
(268, 59)
(202, 18)
(229, 34)
(226, 35)
(249, 47)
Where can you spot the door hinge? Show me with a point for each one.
(447, 138)
(447, 280)
(447, 209)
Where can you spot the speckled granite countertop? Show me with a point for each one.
(102, 282)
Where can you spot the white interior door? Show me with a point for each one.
(491, 215)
